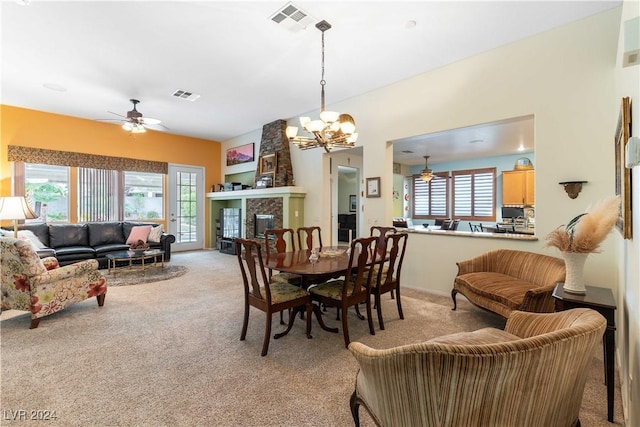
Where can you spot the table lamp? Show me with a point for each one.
(15, 208)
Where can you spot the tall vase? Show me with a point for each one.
(574, 276)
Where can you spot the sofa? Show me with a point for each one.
(532, 373)
(71, 243)
(504, 280)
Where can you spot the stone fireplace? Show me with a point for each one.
(266, 207)
(274, 141)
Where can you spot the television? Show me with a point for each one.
(512, 212)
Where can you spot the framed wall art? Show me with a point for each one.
(353, 203)
(623, 174)
(241, 154)
(268, 164)
(373, 187)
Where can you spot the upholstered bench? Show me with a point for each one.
(503, 280)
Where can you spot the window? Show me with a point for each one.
(143, 197)
(430, 198)
(108, 195)
(47, 188)
(474, 194)
(102, 195)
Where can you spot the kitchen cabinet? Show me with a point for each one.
(518, 187)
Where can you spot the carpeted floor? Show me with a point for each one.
(168, 354)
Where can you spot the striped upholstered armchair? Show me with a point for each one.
(531, 374)
(40, 285)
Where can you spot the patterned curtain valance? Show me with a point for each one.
(17, 153)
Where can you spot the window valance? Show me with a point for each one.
(18, 153)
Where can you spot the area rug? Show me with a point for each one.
(124, 276)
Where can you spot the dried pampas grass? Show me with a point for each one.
(586, 232)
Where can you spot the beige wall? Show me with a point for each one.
(628, 322)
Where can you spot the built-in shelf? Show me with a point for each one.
(256, 192)
(292, 205)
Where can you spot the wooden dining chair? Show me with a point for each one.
(278, 241)
(381, 233)
(306, 235)
(269, 297)
(354, 289)
(388, 274)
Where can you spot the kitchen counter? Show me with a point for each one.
(520, 234)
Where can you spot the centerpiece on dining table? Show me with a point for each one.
(582, 236)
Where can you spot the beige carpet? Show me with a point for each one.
(168, 354)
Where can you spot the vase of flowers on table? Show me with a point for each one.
(582, 236)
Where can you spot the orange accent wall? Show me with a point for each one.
(31, 128)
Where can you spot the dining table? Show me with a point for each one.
(332, 262)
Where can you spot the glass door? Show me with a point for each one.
(186, 207)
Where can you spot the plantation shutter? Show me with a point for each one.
(474, 194)
(430, 198)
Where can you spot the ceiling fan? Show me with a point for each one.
(134, 122)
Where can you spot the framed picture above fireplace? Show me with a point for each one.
(241, 154)
(268, 164)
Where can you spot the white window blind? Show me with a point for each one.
(474, 194)
(97, 195)
(430, 198)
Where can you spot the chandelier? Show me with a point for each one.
(332, 129)
(427, 174)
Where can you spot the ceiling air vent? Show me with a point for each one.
(292, 18)
(183, 94)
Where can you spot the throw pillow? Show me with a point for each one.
(139, 232)
(156, 233)
(28, 235)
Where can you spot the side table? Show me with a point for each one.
(602, 301)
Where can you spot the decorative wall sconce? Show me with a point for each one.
(572, 188)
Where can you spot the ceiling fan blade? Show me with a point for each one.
(110, 120)
(119, 115)
(149, 121)
(155, 126)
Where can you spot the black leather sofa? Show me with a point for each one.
(71, 243)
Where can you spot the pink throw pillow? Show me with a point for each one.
(139, 232)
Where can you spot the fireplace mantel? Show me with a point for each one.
(257, 193)
(292, 215)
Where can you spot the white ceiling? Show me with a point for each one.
(247, 69)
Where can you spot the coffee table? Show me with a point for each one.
(131, 256)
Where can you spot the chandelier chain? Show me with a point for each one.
(322, 80)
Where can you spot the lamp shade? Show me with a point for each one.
(15, 208)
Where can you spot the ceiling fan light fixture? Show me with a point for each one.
(427, 174)
(332, 129)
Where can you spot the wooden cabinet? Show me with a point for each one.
(518, 187)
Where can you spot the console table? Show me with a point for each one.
(602, 301)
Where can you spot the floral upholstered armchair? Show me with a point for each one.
(40, 285)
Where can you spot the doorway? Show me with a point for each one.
(186, 207)
(347, 203)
